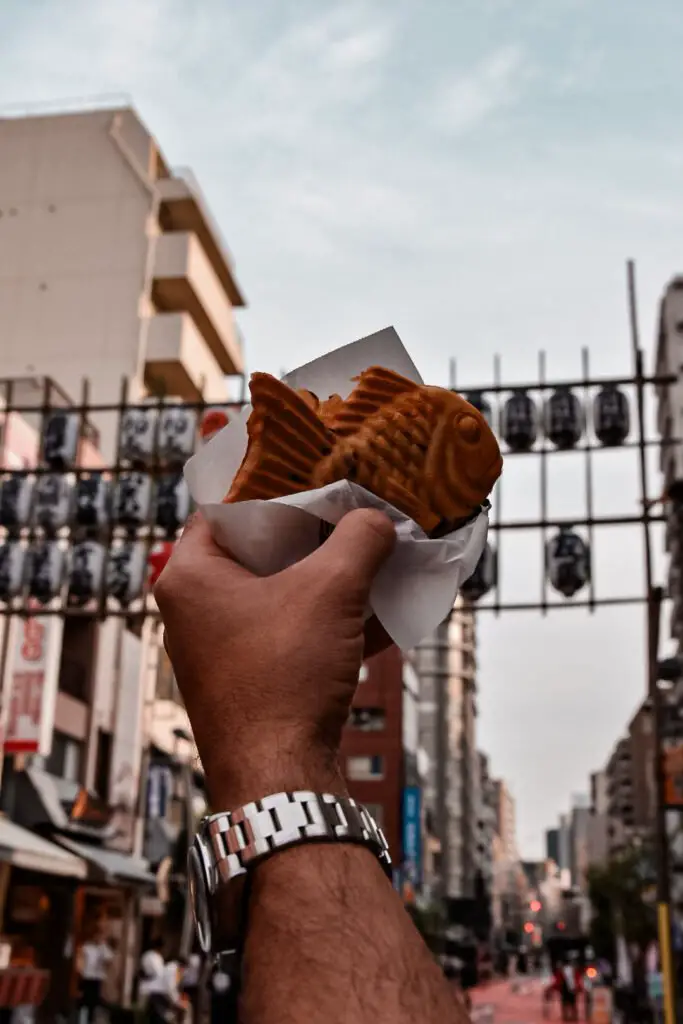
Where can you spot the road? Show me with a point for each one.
(506, 1002)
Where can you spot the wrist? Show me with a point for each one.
(234, 782)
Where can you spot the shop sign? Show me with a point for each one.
(412, 837)
(33, 670)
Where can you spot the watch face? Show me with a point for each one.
(199, 899)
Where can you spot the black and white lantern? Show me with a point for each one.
(484, 576)
(60, 438)
(563, 419)
(611, 416)
(519, 422)
(173, 502)
(568, 562)
(132, 500)
(52, 497)
(12, 560)
(481, 402)
(45, 570)
(136, 437)
(177, 432)
(126, 572)
(15, 501)
(85, 572)
(92, 501)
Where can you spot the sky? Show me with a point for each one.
(474, 172)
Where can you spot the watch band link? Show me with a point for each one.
(260, 828)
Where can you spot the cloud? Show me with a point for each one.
(495, 84)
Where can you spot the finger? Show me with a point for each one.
(356, 550)
(376, 638)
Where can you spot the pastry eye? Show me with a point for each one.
(469, 429)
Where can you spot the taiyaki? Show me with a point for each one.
(423, 449)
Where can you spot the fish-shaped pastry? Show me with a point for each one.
(423, 449)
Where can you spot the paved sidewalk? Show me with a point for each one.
(509, 1002)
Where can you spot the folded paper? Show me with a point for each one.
(416, 588)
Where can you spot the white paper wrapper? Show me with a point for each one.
(417, 586)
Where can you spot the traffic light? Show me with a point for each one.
(528, 927)
(535, 906)
(561, 926)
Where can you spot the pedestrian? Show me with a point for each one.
(190, 979)
(113, 981)
(93, 961)
(321, 933)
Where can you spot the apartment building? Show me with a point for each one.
(630, 782)
(446, 665)
(598, 825)
(111, 267)
(487, 821)
(111, 264)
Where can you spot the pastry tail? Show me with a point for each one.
(287, 440)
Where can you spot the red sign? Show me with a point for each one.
(32, 680)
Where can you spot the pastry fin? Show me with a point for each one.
(376, 387)
(286, 442)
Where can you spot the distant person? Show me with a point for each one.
(93, 961)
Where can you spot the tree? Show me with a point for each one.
(618, 894)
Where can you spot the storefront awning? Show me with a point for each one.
(112, 865)
(27, 850)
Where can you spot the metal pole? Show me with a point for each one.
(654, 602)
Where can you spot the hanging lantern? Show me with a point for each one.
(611, 416)
(563, 419)
(480, 402)
(173, 502)
(157, 559)
(60, 438)
(85, 572)
(92, 501)
(132, 500)
(12, 559)
(483, 578)
(45, 570)
(519, 422)
(125, 572)
(568, 562)
(177, 431)
(213, 420)
(15, 501)
(136, 437)
(52, 496)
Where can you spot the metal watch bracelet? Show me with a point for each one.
(238, 838)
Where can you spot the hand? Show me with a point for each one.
(268, 666)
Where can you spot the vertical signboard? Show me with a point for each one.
(412, 835)
(31, 683)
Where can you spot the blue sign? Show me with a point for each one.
(412, 834)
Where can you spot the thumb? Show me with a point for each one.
(352, 556)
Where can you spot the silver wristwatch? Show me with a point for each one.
(227, 845)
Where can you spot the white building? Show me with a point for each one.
(446, 664)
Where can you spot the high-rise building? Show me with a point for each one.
(111, 264)
(552, 845)
(630, 783)
(446, 664)
(598, 825)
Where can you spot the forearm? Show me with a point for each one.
(329, 941)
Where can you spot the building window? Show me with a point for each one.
(103, 764)
(66, 757)
(367, 719)
(78, 657)
(377, 812)
(359, 769)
